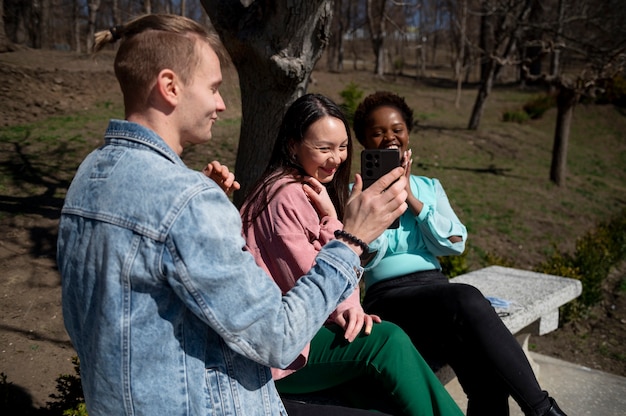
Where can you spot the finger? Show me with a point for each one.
(208, 169)
(386, 180)
(405, 158)
(340, 320)
(217, 166)
(350, 327)
(314, 184)
(357, 188)
(311, 193)
(376, 318)
(368, 324)
(228, 180)
(394, 195)
(223, 173)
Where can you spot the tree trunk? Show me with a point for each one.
(486, 39)
(274, 48)
(94, 5)
(502, 47)
(76, 23)
(376, 24)
(566, 102)
(379, 50)
(555, 58)
(5, 43)
(460, 52)
(481, 98)
(421, 58)
(47, 37)
(334, 60)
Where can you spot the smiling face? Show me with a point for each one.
(385, 128)
(201, 100)
(323, 149)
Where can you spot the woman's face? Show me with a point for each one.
(323, 149)
(385, 128)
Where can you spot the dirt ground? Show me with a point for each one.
(34, 347)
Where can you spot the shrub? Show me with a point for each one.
(452, 266)
(614, 91)
(595, 254)
(493, 259)
(70, 400)
(517, 116)
(351, 95)
(80, 410)
(539, 105)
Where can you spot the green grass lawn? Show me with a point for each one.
(497, 177)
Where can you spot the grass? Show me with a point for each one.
(496, 177)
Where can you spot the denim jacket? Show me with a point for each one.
(167, 312)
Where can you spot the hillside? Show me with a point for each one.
(496, 179)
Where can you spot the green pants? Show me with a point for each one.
(384, 364)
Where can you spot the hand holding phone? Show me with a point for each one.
(376, 163)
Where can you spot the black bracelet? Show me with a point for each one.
(353, 239)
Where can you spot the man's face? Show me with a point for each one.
(201, 101)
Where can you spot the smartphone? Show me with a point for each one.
(376, 163)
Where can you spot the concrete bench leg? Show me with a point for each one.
(523, 341)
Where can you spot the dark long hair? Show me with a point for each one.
(302, 113)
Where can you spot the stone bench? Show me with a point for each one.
(534, 300)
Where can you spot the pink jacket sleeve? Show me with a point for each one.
(285, 240)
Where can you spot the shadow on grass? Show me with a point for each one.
(34, 179)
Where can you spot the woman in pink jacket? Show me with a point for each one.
(293, 210)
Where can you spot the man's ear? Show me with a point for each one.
(168, 86)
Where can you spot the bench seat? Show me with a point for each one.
(534, 302)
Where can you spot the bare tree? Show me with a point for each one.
(115, 9)
(595, 59)
(274, 46)
(5, 43)
(376, 20)
(502, 22)
(76, 24)
(421, 42)
(92, 14)
(458, 12)
(22, 20)
(341, 21)
(555, 62)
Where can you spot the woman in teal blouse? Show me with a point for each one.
(448, 323)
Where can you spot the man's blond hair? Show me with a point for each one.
(151, 43)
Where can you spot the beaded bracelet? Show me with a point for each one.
(353, 239)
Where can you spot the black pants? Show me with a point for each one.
(455, 324)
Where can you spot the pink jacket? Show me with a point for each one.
(285, 240)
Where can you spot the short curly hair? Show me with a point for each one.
(374, 101)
